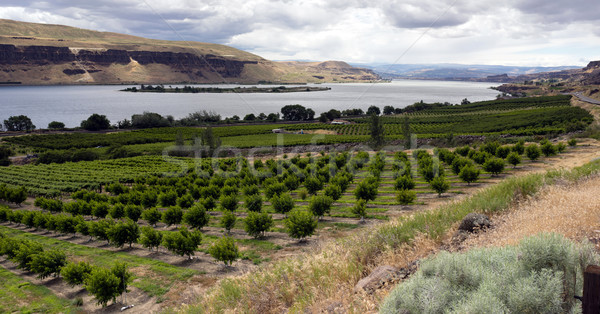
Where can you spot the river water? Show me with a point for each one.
(72, 104)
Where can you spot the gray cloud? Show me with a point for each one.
(353, 30)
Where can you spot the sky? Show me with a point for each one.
(493, 32)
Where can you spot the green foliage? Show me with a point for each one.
(404, 183)
(150, 238)
(469, 174)
(152, 216)
(502, 152)
(283, 203)
(274, 189)
(377, 140)
(253, 202)
(313, 185)
(224, 250)
(196, 217)
(182, 242)
(548, 149)
(124, 232)
(537, 276)
(76, 273)
(519, 148)
(18, 123)
(366, 190)
(133, 212)
(514, 159)
(300, 224)
(494, 166)
(334, 191)
(104, 285)
(256, 224)
(117, 211)
(229, 202)
(168, 198)
(360, 209)
(533, 151)
(186, 201)
(572, 142)
(48, 263)
(319, 205)
(95, 122)
(405, 197)
(228, 220)
(440, 185)
(172, 216)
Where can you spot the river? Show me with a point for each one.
(72, 104)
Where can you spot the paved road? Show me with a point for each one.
(587, 99)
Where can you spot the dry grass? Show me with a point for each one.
(572, 210)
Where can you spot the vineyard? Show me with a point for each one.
(517, 117)
(232, 210)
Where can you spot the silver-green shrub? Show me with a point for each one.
(540, 275)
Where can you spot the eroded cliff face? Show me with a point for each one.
(78, 65)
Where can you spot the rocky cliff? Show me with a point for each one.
(53, 54)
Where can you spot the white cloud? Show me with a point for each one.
(514, 32)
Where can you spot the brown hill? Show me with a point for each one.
(33, 53)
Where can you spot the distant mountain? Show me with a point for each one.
(33, 53)
(449, 71)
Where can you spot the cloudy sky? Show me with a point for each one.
(507, 32)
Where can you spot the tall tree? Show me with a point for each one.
(377, 140)
(19, 123)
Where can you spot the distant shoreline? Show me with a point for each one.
(219, 90)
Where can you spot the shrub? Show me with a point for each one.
(548, 149)
(186, 201)
(150, 238)
(95, 122)
(300, 224)
(440, 185)
(228, 221)
(469, 174)
(172, 216)
(533, 152)
(405, 197)
(224, 250)
(283, 203)
(519, 148)
(537, 276)
(256, 224)
(76, 273)
(182, 242)
(48, 263)
(494, 165)
(334, 191)
(104, 285)
(481, 157)
(561, 147)
(133, 212)
(313, 185)
(250, 190)
(196, 217)
(152, 216)
(117, 211)
(502, 151)
(56, 125)
(274, 189)
(572, 142)
(121, 233)
(168, 198)
(253, 202)
(366, 190)
(360, 209)
(404, 183)
(319, 205)
(513, 159)
(229, 202)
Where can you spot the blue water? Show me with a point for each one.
(72, 104)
